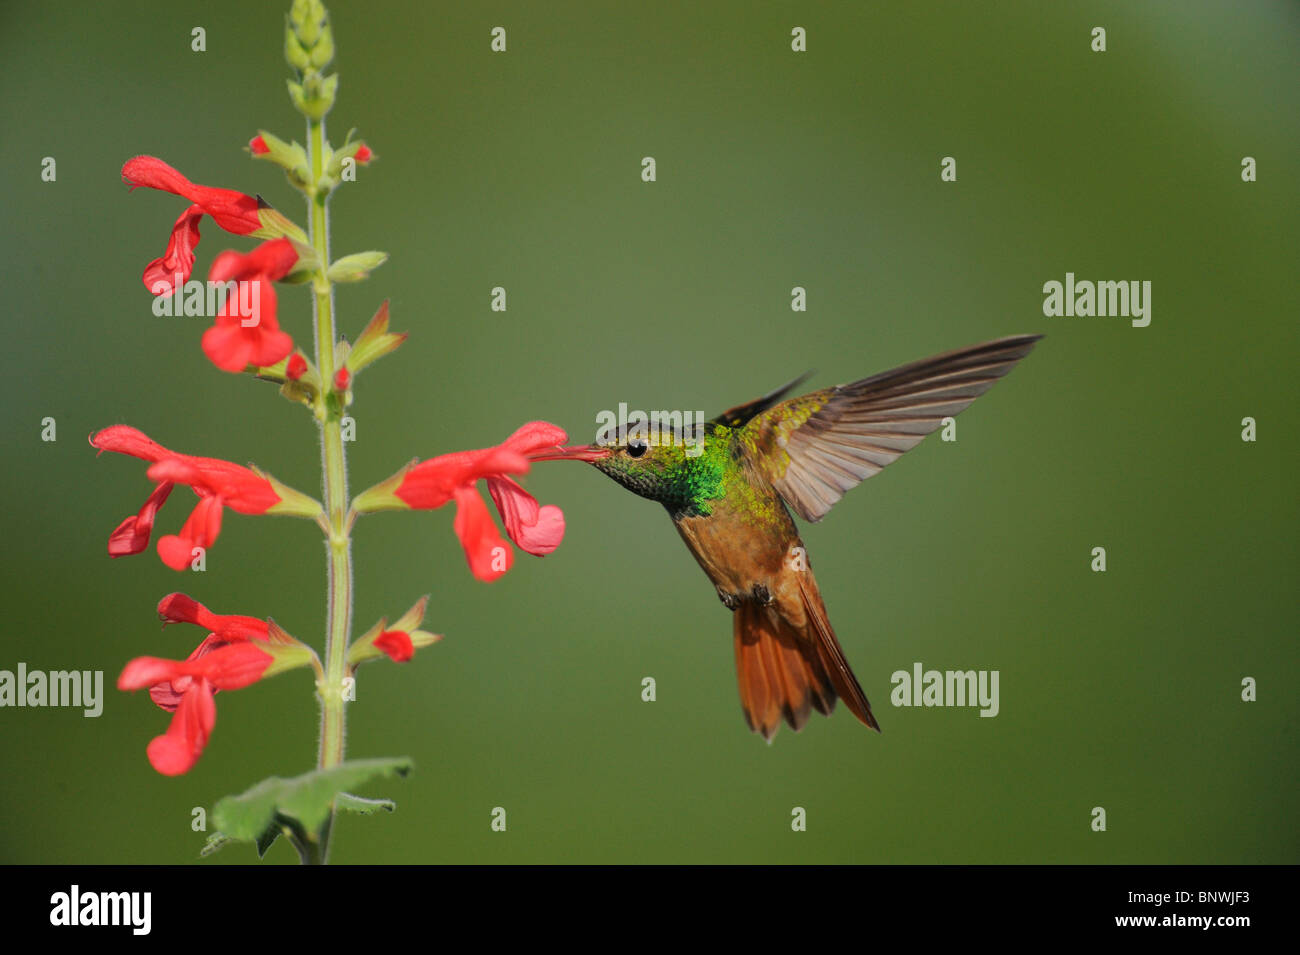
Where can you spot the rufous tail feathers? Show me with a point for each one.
(786, 671)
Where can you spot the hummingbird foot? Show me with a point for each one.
(762, 595)
(729, 600)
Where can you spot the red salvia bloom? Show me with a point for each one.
(537, 530)
(233, 211)
(257, 146)
(180, 608)
(296, 368)
(397, 644)
(219, 484)
(223, 630)
(250, 335)
(187, 688)
(132, 535)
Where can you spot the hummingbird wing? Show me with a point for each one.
(814, 448)
(737, 416)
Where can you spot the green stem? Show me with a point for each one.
(335, 476)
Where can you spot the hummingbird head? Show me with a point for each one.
(682, 472)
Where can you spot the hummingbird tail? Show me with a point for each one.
(783, 671)
(830, 653)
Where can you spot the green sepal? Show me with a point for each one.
(356, 267)
(375, 341)
(305, 269)
(276, 372)
(382, 496)
(297, 96)
(276, 225)
(302, 390)
(334, 162)
(363, 648)
(308, 25)
(294, 53)
(323, 51)
(292, 503)
(314, 96)
(291, 157)
(286, 651)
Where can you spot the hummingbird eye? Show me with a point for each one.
(637, 447)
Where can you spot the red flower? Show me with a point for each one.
(342, 378)
(223, 630)
(238, 651)
(132, 535)
(296, 368)
(257, 145)
(233, 211)
(180, 608)
(537, 530)
(186, 687)
(219, 484)
(364, 154)
(246, 330)
(397, 644)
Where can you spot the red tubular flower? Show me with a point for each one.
(233, 211)
(180, 608)
(397, 644)
(488, 555)
(257, 146)
(250, 335)
(132, 535)
(223, 630)
(296, 368)
(537, 530)
(219, 484)
(187, 688)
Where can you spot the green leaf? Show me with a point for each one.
(305, 799)
(267, 839)
(362, 806)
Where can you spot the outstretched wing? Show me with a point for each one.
(814, 448)
(737, 416)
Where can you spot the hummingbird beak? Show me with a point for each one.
(576, 452)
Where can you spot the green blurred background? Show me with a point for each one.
(775, 169)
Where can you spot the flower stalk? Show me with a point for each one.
(335, 478)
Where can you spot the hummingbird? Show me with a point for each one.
(730, 491)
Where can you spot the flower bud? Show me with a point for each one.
(356, 267)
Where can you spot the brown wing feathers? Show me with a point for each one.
(816, 447)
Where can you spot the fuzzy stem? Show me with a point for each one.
(335, 476)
